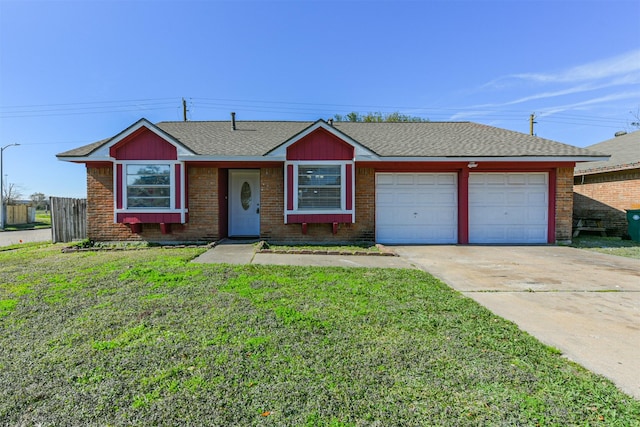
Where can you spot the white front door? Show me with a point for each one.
(244, 202)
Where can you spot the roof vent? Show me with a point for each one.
(233, 121)
(620, 133)
(330, 121)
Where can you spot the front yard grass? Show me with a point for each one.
(148, 338)
(608, 245)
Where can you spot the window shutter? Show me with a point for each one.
(349, 186)
(290, 194)
(119, 187)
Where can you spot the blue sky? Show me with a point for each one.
(75, 72)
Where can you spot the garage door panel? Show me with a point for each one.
(444, 198)
(405, 198)
(485, 216)
(407, 179)
(538, 198)
(515, 199)
(384, 179)
(508, 207)
(495, 179)
(516, 179)
(385, 198)
(416, 208)
(443, 216)
(424, 179)
(537, 217)
(486, 198)
(447, 179)
(540, 179)
(537, 233)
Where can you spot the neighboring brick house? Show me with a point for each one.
(325, 182)
(605, 189)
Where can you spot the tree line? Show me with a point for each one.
(12, 195)
(379, 117)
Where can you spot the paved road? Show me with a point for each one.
(584, 303)
(14, 237)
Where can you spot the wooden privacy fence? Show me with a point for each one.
(68, 219)
(19, 214)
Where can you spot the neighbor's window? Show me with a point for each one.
(149, 186)
(319, 187)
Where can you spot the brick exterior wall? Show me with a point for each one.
(564, 204)
(203, 210)
(273, 228)
(606, 196)
(203, 203)
(100, 226)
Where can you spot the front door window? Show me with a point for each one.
(245, 196)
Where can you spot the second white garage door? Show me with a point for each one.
(508, 207)
(416, 208)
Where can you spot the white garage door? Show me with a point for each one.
(508, 207)
(416, 208)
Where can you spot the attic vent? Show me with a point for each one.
(233, 121)
(620, 133)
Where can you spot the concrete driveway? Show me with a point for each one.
(583, 303)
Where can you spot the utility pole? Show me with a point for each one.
(532, 117)
(184, 109)
(2, 186)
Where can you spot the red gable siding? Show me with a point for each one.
(143, 145)
(320, 145)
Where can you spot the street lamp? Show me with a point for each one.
(2, 186)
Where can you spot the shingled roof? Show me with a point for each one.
(425, 139)
(625, 154)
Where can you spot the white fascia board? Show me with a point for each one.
(594, 159)
(281, 151)
(488, 159)
(84, 159)
(103, 151)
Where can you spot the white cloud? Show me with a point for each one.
(590, 102)
(626, 65)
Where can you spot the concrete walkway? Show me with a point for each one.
(583, 303)
(24, 236)
(239, 252)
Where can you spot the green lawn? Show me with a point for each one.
(608, 245)
(144, 337)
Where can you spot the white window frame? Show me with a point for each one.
(343, 186)
(172, 186)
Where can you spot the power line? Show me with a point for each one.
(289, 107)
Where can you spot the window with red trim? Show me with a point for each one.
(148, 186)
(319, 187)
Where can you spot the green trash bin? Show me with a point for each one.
(633, 218)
